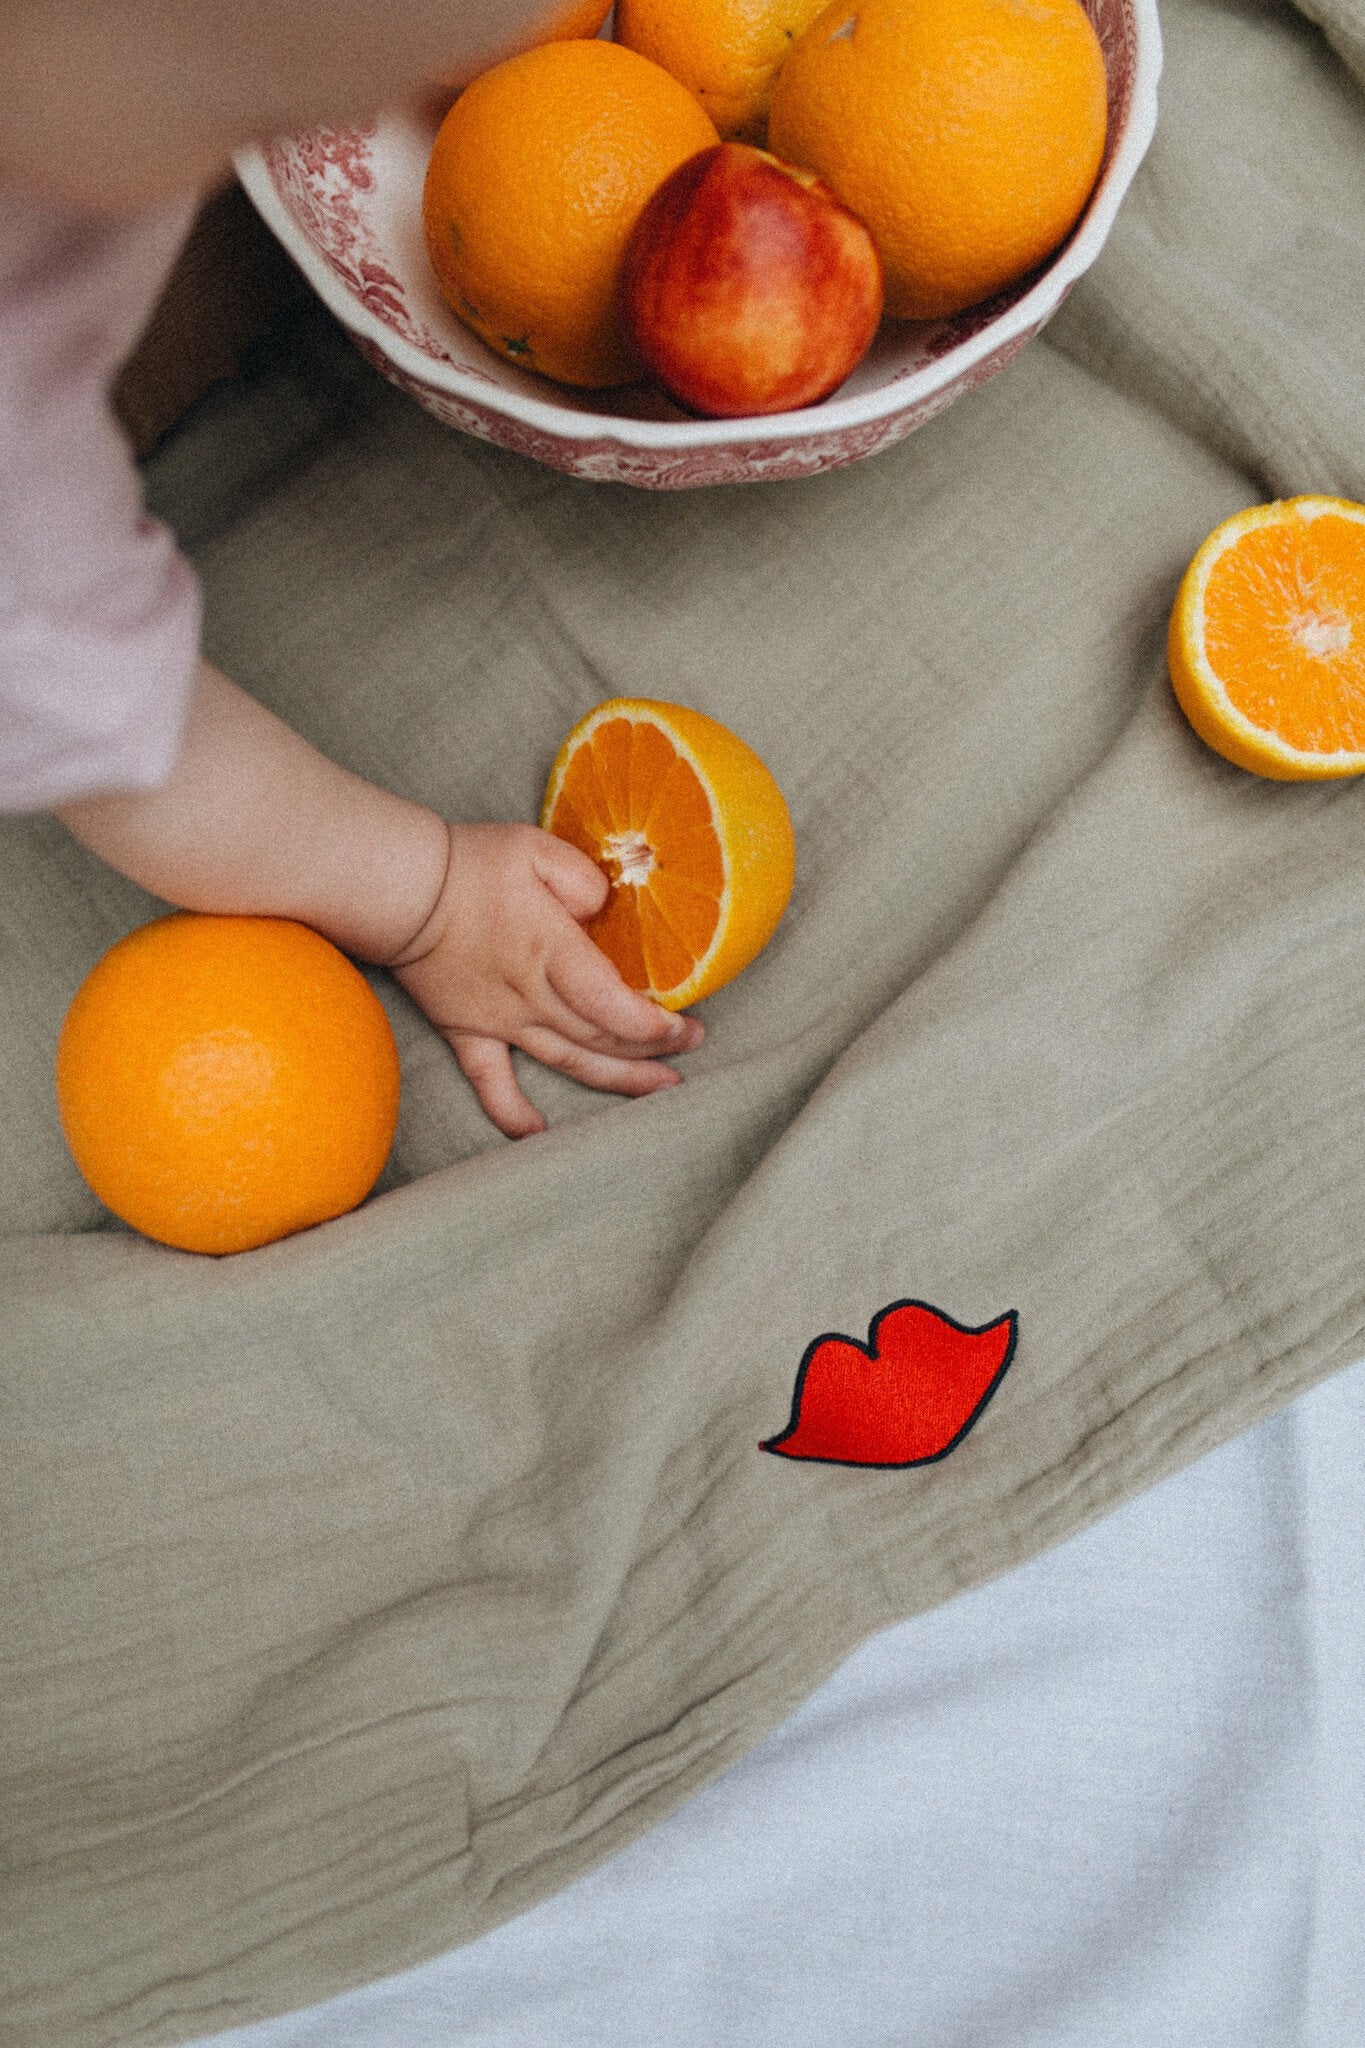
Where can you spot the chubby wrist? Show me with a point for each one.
(384, 892)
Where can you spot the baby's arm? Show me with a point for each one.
(126, 102)
(481, 923)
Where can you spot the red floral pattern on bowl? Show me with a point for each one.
(346, 204)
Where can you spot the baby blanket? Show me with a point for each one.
(362, 1590)
(1109, 1800)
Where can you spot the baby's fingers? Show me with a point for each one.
(598, 1069)
(584, 979)
(487, 1065)
(577, 882)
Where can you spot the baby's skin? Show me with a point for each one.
(480, 923)
(126, 104)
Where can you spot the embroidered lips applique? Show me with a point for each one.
(907, 1396)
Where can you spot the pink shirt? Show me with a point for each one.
(99, 614)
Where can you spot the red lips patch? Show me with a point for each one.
(907, 1396)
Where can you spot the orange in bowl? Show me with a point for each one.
(728, 52)
(965, 134)
(692, 832)
(224, 1081)
(574, 22)
(534, 183)
(1267, 639)
(565, 24)
(372, 271)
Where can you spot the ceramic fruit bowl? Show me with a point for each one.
(346, 204)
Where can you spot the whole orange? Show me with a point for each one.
(966, 134)
(223, 1081)
(535, 180)
(725, 51)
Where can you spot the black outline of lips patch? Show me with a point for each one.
(877, 1425)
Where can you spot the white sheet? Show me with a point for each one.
(1115, 1798)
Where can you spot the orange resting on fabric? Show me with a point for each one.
(1267, 639)
(224, 1081)
(691, 830)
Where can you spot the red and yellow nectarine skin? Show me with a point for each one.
(747, 287)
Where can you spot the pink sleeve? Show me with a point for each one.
(99, 613)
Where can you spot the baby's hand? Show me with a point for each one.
(253, 820)
(502, 961)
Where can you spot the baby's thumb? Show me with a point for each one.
(570, 876)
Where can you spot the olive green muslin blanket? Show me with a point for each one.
(361, 1590)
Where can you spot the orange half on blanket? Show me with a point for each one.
(1267, 639)
(693, 835)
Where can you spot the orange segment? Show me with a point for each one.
(611, 761)
(571, 826)
(1267, 639)
(668, 960)
(693, 834)
(616, 929)
(688, 910)
(679, 824)
(651, 757)
(584, 794)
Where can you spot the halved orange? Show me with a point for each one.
(693, 834)
(1267, 639)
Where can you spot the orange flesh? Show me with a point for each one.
(632, 803)
(1284, 631)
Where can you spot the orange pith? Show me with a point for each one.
(692, 832)
(1267, 639)
(225, 1081)
(535, 180)
(965, 134)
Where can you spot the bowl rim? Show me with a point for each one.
(833, 415)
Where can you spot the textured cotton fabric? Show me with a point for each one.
(99, 612)
(1113, 1798)
(368, 1588)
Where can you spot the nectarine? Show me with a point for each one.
(747, 287)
